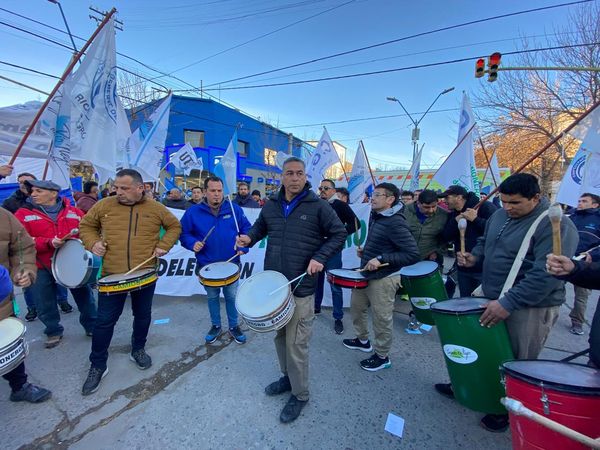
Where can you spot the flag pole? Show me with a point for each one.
(550, 143)
(62, 79)
(368, 163)
(489, 162)
(451, 153)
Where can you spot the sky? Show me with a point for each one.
(190, 33)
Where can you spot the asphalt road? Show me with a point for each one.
(198, 396)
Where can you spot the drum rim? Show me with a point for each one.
(241, 287)
(20, 336)
(89, 269)
(443, 303)
(222, 281)
(274, 326)
(107, 288)
(363, 281)
(139, 277)
(221, 262)
(553, 385)
(358, 274)
(436, 268)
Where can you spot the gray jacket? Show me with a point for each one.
(533, 287)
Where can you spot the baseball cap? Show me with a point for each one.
(454, 190)
(43, 184)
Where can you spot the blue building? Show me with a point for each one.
(208, 126)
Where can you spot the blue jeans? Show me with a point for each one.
(214, 304)
(61, 296)
(110, 308)
(337, 297)
(44, 292)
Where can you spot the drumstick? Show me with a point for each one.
(208, 234)
(73, 232)
(140, 265)
(462, 228)
(288, 283)
(555, 215)
(231, 259)
(364, 268)
(356, 231)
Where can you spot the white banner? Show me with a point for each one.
(178, 270)
(14, 122)
(321, 159)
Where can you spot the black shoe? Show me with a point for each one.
(496, 423)
(141, 359)
(279, 387)
(213, 334)
(317, 311)
(445, 389)
(292, 409)
(92, 383)
(338, 327)
(375, 363)
(355, 344)
(30, 393)
(65, 307)
(31, 314)
(237, 335)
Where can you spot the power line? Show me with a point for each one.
(404, 38)
(399, 69)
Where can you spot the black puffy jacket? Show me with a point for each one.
(16, 201)
(312, 230)
(390, 238)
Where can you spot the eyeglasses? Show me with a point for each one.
(324, 188)
(380, 195)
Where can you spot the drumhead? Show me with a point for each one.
(219, 271)
(70, 264)
(349, 274)
(253, 299)
(11, 329)
(562, 375)
(465, 305)
(419, 269)
(121, 277)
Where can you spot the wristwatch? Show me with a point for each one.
(380, 258)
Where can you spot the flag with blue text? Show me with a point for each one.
(360, 177)
(415, 172)
(321, 159)
(185, 160)
(226, 168)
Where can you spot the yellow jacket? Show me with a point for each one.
(130, 232)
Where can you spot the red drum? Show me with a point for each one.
(564, 392)
(347, 278)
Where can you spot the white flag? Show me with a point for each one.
(492, 174)
(59, 156)
(360, 177)
(415, 171)
(321, 159)
(226, 168)
(591, 174)
(459, 168)
(185, 160)
(147, 144)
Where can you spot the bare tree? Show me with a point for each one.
(134, 90)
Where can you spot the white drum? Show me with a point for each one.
(262, 309)
(73, 266)
(13, 347)
(219, 274)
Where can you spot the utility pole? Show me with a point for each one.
(118, 23)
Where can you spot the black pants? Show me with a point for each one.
(17, 377)
(595, 337)
(468, 282)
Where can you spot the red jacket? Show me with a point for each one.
(42, 229)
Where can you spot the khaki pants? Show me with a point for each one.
(291, 343)
(528, 330)
(577, 314)
(380, 295)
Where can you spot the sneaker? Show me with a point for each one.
(338, 327)
(279, 387)
(576, 329)
(141, 359)
(496, 423)
(31, 314)
(53, 341)
(292, 409)
(375, 363)
(213, 334)
(93, 379)
(30, 393)
(355, 344)
(237, 335)
(445, 389)
(65, 307)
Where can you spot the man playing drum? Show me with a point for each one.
(124, 229)
(17, 254)
(389, 242)
(530, 307)
(49, 220)
(304, 232)
(214, 246)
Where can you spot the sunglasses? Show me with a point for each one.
(324, 188)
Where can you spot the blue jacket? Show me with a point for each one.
(587, 222)
(199, 219)
(5, 283)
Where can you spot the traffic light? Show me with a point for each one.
(479, 68)
(493, 63)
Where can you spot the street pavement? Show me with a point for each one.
(204, 397)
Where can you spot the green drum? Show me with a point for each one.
(473, 353)
(424, 286)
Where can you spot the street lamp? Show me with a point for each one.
(416, 131)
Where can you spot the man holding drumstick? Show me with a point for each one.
(209, 230)
(124, 229)
(304, 232)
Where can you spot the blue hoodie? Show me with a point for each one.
(199, 219)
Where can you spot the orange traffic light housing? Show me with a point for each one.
(493, 63)
(479, 68)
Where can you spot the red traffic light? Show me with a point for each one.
(479, 68)
(493, 63)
